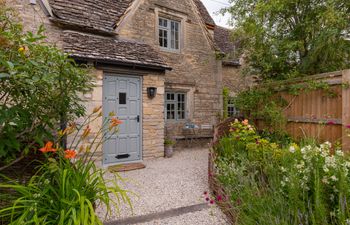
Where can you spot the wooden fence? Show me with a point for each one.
(316, 114)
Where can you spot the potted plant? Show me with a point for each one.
(169, 147)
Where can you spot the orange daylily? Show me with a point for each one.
(48, 148)
(115, 122)
(70, 154)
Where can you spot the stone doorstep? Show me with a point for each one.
(126, 167)
(160, 215)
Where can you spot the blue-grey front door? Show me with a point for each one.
(122, 95)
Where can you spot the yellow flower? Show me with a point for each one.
(21, 49)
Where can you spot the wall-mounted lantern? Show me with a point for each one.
(151, 92)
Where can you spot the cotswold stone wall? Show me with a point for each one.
(234, 80)
(195, 68)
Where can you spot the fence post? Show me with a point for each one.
(345, 111)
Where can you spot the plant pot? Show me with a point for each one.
(168, 151)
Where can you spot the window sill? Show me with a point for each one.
(169, 50)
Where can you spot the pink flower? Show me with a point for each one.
(219, 198)
(330, 122)
(348, 126)
(205, 193)
(211, 202)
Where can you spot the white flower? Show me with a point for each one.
(328, 144)
(334, 178)
(301, 165)
(325, 180)
(330, 161)
(283, 183)
(283, 169)
(347, 221)
(292, 149)
(339, 153)
(286, 179)
(347, 164)
(236, 120)
(325, 169)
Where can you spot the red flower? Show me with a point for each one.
(348, 126)
(47, 148)
(70, 154)
(211, 202)
(205, 193)
(207, 199)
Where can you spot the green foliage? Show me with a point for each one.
(169, 142)
(66, 189)
(288, 38)
(263, 103)
(39, 86)
(226, 96)
(269, 184)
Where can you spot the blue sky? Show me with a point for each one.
(213, 7)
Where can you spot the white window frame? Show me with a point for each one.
(171, 34)
(176, 103)
(231, 108)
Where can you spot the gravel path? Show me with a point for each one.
(167, 184)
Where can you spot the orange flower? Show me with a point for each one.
(115, 122)
(245, 122)
(70, 154)
(47, 148)
(86, 132)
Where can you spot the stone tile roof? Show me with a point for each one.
(222, 37)
(110, 50)
(100, 15)
(204, 13)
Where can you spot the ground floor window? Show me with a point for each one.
(231, 109)
(175, 106)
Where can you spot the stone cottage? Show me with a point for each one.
(155, 61)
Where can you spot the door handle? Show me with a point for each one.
(138, 118)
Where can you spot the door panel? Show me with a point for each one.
(122, 95)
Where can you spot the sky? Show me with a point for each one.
(213, 7)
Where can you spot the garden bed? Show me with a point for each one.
(261, 181)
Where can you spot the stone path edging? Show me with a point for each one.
(160, 215)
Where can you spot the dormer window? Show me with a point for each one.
(169, 34)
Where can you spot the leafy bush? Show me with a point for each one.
(39, 87)
(268, 184)
(67, 187)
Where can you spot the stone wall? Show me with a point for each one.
(195, 68)
(234, 80)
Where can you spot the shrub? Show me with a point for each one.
(40, 88)
(269, 184)
(68, 185)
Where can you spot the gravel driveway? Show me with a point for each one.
(169, 191)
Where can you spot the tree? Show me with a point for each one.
(288, 38)
(40, 87)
